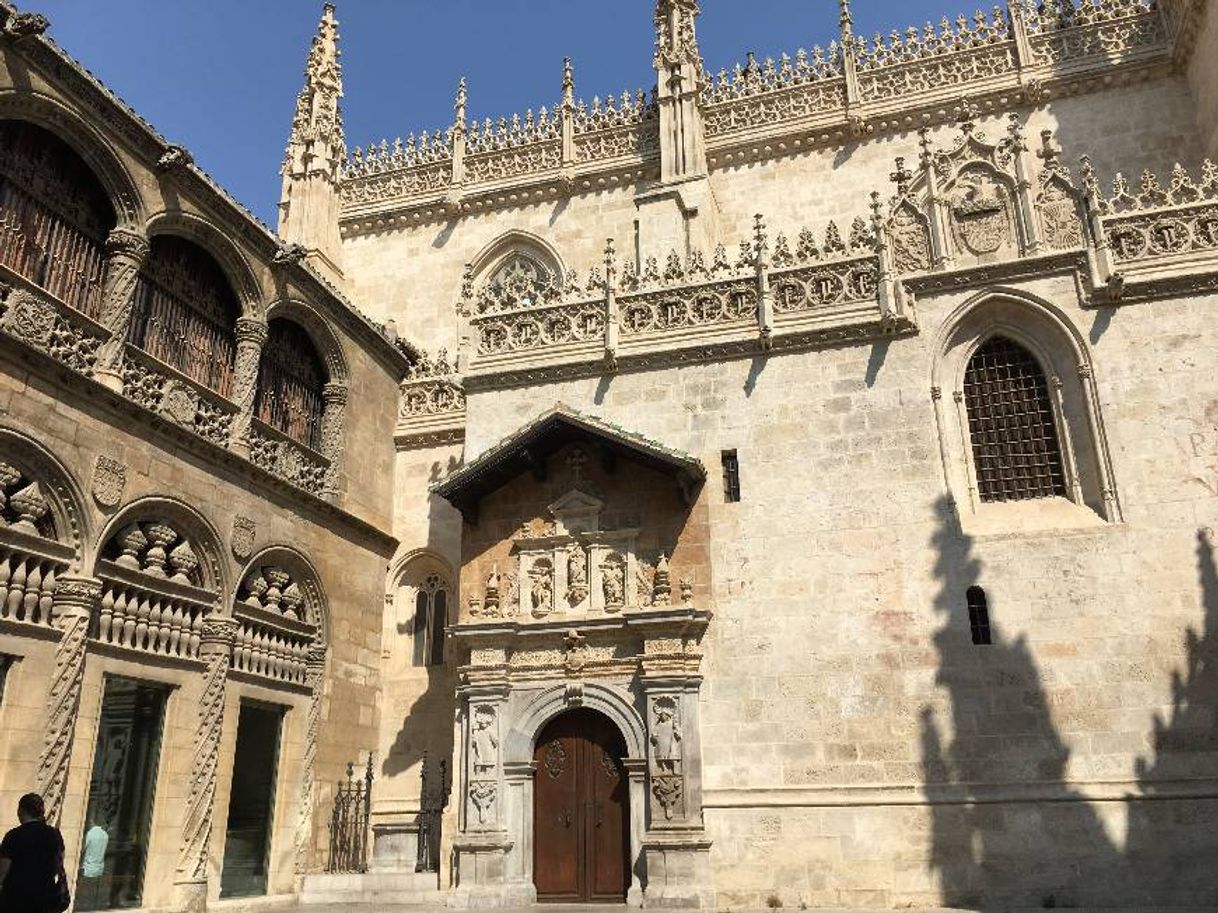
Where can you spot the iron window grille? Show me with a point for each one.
(1011, 425)
(290, 382)
(979, 616)
(731, 477)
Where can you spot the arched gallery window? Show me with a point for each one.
(291, 379)
(429, 623)
(54, 216)
(185, 312)
(1011, 424)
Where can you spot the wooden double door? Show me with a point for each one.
(580, 811)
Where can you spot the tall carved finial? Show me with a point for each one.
(1049, 151)
(676, 35)
(317, 142)
(845, 18)
(761, 242)
(317, 148)
(461, 103)
(924, 147)
(568, 84)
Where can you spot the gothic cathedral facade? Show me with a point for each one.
(791, 485)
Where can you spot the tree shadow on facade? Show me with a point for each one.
(1006, 829)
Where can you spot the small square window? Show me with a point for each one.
(979, 616)
(731, 477)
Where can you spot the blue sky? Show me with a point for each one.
(221, 76)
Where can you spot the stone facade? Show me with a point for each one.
(877, 663)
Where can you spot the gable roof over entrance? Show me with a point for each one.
(527, 449)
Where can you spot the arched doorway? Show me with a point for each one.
(580, 810)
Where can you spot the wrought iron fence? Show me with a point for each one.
(433, 798)
(349, 822)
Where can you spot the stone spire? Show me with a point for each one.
(309, 204)
(679, 74)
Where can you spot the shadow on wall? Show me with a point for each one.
(1057, 853)
(427, 727)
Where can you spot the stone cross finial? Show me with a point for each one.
(576, 460)
(966, 118)
(1049, 151)
(568, 83)
(902, 176)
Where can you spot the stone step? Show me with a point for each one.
(372, 887)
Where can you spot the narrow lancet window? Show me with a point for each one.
(731, 477)
(979, 615)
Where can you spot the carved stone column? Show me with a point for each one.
(316, 668)
(333, 421)
(126, 253)
(251, 337)
(74, 600)
(216, 650)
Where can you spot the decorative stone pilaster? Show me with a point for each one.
(483, 847)
(216, 650)
(251, 337)
(333, 422)
(675, 847)
(316, 665)
(126, 253)
(74, 600)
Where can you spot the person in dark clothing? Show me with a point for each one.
(31, 861)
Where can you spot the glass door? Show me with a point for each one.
(121, 793)
(251, 802)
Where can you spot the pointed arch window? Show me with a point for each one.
(430, 622)
(1011, 424)
(520, 281)
(185, 313)
(54, 216)
(291, 379)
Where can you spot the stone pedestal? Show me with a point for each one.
(678, 870)
(481, 870)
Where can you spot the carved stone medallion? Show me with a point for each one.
(29, 319)
(109, 480)
(243, 536)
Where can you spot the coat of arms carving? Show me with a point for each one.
(109, 480)
(242, 539)
(981, 214)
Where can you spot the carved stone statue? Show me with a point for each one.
(484, 743)
(613, 581)
(577, 575)
(666, 735)
(541, 587)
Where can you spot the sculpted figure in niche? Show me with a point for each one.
(484, 744)
(541, 587)
(613, 581)
(577, 575)
(666, 735)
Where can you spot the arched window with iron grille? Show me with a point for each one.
(291, 379)
(54, 216)
(1011, 424)
(185, 313)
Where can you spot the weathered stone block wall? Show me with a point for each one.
(349, 558)
(858, 748)
(1203, 78)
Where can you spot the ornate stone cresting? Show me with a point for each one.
(74, 601)
(216, 647)
(309, 204)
